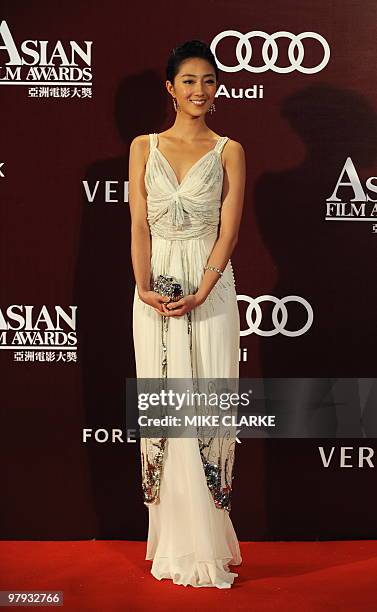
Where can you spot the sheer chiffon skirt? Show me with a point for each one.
(190, 540)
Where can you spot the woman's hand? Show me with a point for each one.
(155, 300)
(179, 308)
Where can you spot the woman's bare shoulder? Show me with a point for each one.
(234, 145)
(141, 138)
(233, 150)
(140, 145)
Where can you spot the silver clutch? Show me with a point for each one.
(168, 286)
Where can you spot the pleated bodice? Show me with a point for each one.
(191, 208)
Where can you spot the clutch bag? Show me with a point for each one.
(168, 286)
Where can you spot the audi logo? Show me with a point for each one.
(278, 307)
(269, 62)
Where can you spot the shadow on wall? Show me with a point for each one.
(330, 264)
(104, 291)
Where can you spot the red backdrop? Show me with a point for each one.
(58, 248)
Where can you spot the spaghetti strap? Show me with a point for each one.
(152, 141)
(220, 143)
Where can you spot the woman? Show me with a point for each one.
(186, 190)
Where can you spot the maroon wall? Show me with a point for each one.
(60, 249)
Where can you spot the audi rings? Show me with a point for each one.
(278, 307)
(269, 42)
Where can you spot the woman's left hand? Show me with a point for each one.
(179, 308)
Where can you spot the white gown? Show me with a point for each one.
(190, 540)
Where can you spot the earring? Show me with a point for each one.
(212, 109)
(175, 104)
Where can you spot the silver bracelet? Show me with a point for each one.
(214, 269)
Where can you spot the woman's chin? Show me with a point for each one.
(196, 112)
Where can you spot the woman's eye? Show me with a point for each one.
(190, 81)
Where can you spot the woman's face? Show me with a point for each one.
(194, 86)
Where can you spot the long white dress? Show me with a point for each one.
(190, 539)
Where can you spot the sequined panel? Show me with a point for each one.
(152, 469)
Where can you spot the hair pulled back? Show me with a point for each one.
(189, 49)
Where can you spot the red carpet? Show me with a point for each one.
(275, 576)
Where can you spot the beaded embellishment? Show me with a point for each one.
(152, 472)
(152, 457)
(213, 473)
(169, 287)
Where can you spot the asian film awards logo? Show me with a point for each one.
(360, 207)
(39, 333)
(59, 69)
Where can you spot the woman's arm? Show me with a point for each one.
(231, 213)
(140, 231)
(137, 197)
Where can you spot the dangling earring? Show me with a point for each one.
(212, 109)
(175, 104)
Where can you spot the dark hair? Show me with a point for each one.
(191, 48)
